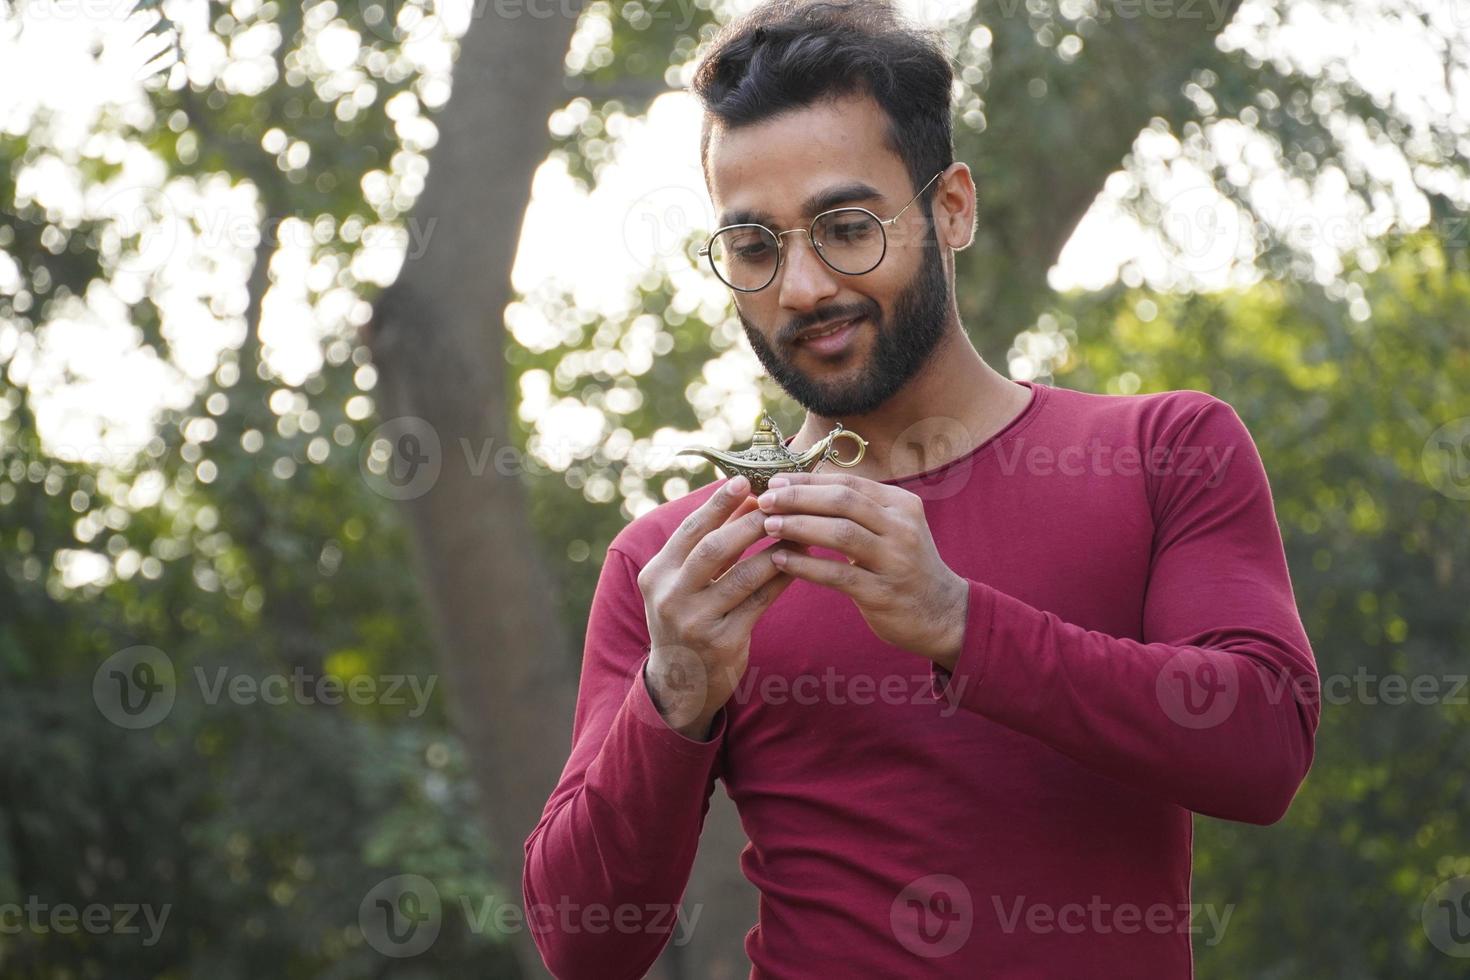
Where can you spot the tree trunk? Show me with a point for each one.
(437, 340)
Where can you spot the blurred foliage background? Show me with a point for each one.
(246, 529)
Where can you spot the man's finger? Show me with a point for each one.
(831, 572)
(746, 577)
(719, 549)
(744, 615)
(706, 517)
(835, 533)
(746, 506)
(828, 500)
(884, 493)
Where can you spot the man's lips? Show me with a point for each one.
(829, 328)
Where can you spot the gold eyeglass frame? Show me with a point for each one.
(883, 225)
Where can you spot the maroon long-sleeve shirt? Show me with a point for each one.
(1132, 652)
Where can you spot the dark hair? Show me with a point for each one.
(789, 54)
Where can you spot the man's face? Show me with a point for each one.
(764, 173)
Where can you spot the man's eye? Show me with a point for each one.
(851, 231)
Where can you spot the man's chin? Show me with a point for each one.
(835, 379)
(834, 398)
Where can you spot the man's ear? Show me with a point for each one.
(958, 187)
(974, 226)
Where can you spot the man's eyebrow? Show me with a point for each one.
(823, 200)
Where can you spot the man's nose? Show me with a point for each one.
(805, 279)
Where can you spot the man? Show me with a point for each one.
(968, 699)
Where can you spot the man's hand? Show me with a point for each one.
(701, 601)
(908, 595)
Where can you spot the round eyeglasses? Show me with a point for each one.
(850, 240)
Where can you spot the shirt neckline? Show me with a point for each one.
(1039, 393)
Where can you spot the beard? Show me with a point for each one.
(899, 349)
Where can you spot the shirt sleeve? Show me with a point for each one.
(611, 856)
(1215, 708)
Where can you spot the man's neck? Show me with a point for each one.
(961, 401)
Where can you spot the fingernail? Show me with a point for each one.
(778, 481)
(737, 486)
(773, 523)
(766, 499)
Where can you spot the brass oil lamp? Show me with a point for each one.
(768, 455)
